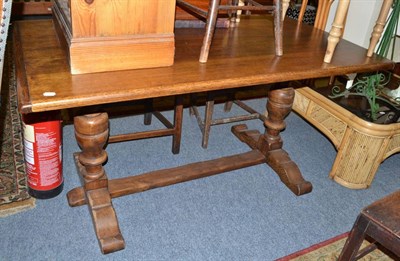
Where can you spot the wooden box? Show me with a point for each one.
(110, 35)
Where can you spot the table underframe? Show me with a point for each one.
(97, 191)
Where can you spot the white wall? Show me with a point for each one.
(360, 22)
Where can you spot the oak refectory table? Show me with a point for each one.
(240, 57)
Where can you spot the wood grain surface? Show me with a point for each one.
(239, 57)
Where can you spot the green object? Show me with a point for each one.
(368, 86)
(389, 34)
(371, 86)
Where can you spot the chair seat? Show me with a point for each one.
(381, 222)
(386, 213)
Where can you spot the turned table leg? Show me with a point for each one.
(279, 105)
(270, 144)
(337, 29)
(91, 132)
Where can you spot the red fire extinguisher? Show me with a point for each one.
(43, 154)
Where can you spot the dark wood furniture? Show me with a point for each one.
(379, 221)
(210, 17)
(100, 36)
(171, 128)
(205, 123)
(31, 7)
(248, 59)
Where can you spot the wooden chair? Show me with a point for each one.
(148, 108)
(172, 128)
(339, 22)
(381, 222)
(321, 18)
(208, 121)
(338, 25)
(323, 10)
(205, 125)
(232, 7)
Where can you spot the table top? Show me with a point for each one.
(239, 57)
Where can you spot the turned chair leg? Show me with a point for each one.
(380, 24)
(337, 29)
(285, 7)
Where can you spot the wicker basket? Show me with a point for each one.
(362, 146)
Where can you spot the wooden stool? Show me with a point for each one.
(381, 222)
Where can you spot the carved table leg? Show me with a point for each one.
(91, 132)
(279, 105)
(270, 143)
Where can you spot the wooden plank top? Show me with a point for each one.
(239, 57)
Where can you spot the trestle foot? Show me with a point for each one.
(277, 159)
